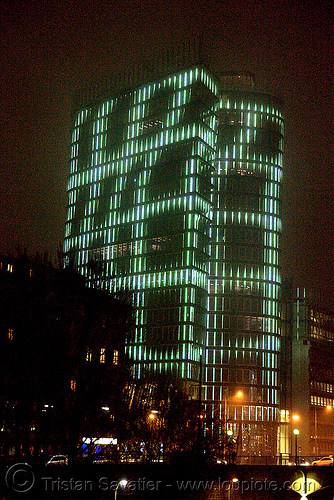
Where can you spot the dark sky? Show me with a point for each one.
(49, 48)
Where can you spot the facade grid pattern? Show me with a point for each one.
(174, 193)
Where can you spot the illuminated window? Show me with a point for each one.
(10, 268)
(89, 354)
(73, 385)
(115, 357)
(10, 334)
(102, 355)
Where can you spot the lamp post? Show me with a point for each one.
(295, 420)
(122, 483)
(225, 422)
(296, 432)
(237, 396)
(315, 432)
(230, 487)
(152, 448)
(225, 409)
(229, 446)
(200, 434)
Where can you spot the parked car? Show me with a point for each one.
(101, 460)
(58, 460)
(324, 461)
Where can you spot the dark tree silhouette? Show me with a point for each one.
(159, 420)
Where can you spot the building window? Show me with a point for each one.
(89, 354)
(10, 334)
(102, 355)
(115, 357)
(73, 385)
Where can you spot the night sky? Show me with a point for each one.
(51, 48)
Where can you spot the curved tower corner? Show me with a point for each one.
(243, 340)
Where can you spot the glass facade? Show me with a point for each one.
(139, 207)
(174, 194)
(243, 339)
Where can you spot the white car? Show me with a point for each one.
(58, 460)
(324, 461)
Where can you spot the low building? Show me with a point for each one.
(307, 376)
(62, 357)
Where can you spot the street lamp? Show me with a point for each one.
(230, 486)
(238, 395)
(225, 409)
(122, 483)
(305, 485)
(296, 432)
(229, 446)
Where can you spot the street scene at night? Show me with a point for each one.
(166, 260)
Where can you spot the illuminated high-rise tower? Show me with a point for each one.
(174, 193)
(243, 338)
(140, 206)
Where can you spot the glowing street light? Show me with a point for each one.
(122, 484)
(296, 432)
(229, 444)
(232, 481)
(238, 395)
(304, 485)
(153, 414)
